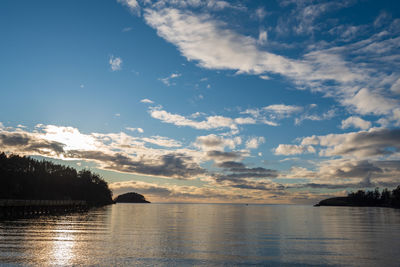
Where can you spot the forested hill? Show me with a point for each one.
(131, 197)
(27, 178)
(366, 199)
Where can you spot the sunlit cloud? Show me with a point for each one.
(147, 101)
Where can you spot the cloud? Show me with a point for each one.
(133, 5)
(211, 122)
(269, 114)
(173, 193)
(26, 144)
(127, 29)
(374, 142)
(147, 101)
(173, 165)
(262, 37)
(239, 170)
(167, 80)
(207, 41)
(283, 149)
(212, 142)
(282, 110)
(217, 155)
(350, 73)
(255, 142)
(115, 63)
(260, 13)
(117, 152)
(140, 130)
(246, 120)
(162, 141)
(315, 117)
(367, 102)
(396, 87)
(356, 122)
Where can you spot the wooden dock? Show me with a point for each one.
(12, 208)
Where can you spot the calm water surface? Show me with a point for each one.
(205, 235)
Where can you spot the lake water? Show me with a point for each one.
(206, 235)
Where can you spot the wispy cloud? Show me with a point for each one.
(167, 80)
(355, 83)
(127, 29)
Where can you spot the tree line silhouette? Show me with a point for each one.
(376, 198)
(27, 178)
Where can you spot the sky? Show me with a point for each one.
(207, 101)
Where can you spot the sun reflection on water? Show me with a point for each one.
(62, 247)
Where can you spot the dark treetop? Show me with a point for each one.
(131, 197)
(27, 178)
(368, 199)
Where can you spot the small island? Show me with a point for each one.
(131, 197)
(361, 198)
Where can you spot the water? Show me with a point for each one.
(205, 235)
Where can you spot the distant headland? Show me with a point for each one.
(361, 198)
(131, 197)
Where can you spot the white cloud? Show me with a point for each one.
(147, 101)
(115, 63)
(201, 38)
(133, 5)
(367, 102)
(284, 149)
(162, 141)
(283, 109)
(255, 142)
(211, 122)
(246, 120)
(140, 130)
(356, 122)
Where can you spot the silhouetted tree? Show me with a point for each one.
(375, 198)
(27, 178)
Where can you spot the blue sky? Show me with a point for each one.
(207, 101)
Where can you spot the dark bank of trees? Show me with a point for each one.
(27, 178)
(376, 198)
(361, 198)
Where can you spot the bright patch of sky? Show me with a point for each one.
(207, 101)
